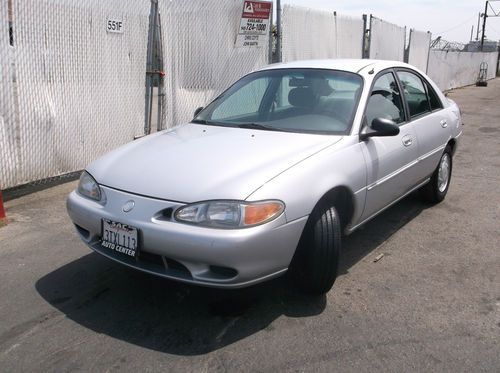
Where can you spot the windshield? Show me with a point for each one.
(292, 100)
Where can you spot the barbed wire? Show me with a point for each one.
(440, 44)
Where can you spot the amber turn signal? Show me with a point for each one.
(258, 213)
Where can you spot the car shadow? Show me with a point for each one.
(372, 234)
(187, 320)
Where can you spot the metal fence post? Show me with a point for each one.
(149, 62)
(366, 36)
(3, 218)
(278, 30)
(406, 54)
(270, 44)
(160, 70)
(428, 53)
(497, 72)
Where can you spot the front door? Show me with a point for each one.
(390, 160)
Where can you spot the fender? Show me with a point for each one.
(342, 165)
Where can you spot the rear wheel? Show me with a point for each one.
(315, 264)
(435, 190)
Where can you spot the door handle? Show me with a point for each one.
(444, 123)
(407, 140)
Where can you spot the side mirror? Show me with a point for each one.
(380, 127)
(197, 111)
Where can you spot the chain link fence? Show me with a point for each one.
(73, 77)
(316, 34)
(387, 40)
(75, 86)
(76, 78)
(418, 49)
(200, 56)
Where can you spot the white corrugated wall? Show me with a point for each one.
(457, 69)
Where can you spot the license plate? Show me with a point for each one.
(119, 237)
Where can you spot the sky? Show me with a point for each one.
(451, 19)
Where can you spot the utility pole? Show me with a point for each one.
(478, 25)
(485, 15)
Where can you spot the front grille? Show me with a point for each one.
(149, 262)
(151, 258)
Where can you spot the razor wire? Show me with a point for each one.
(444, 45)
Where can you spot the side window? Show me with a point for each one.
(433, 98)
(414, 92)
(385, 100)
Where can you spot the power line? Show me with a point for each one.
(491, 28)
(457, 26)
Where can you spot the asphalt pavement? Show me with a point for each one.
(430, 303)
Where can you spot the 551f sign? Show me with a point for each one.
(114, 25)
(254, 24)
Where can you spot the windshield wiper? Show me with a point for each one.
(259, 126)
(206, 122)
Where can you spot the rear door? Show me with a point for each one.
(430, 121)
(390, 160)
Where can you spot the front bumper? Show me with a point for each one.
(226, 258)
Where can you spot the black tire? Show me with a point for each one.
(431, 192)
(315, 264)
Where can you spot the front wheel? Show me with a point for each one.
(435, 190)
(315, 264)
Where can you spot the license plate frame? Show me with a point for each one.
(120, 238)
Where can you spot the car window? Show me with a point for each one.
(433, 98)
(245, 102)
(414, 92)
(294, 100)
(329, 96)
(385, 100)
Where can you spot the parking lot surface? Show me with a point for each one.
(431, 303)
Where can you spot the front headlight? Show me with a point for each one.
(88, 187)
(230, 214)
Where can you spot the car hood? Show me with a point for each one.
(197, 162)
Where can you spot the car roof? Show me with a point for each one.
(351, 65)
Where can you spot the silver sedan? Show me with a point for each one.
(270, 175)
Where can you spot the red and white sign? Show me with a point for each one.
(254, 24)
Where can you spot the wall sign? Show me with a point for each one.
(114, 25)
(254, 24)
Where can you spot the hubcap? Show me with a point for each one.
(444, 172)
